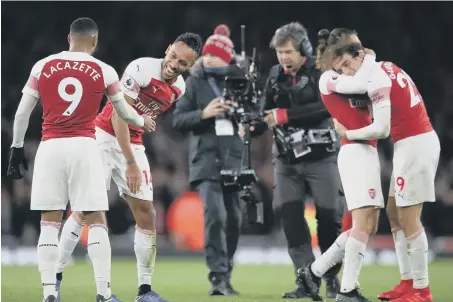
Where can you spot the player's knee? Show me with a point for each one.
(372, 222)
(94, 218)
(78, 217)
(409, 217)
(53, 216)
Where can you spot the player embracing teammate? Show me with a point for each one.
(398, 110)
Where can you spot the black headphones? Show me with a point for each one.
(305, 47)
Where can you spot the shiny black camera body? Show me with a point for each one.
(239, 91)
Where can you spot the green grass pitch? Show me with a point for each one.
(184, 280)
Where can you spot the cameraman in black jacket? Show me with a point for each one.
(292, 99)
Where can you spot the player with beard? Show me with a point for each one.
(151, 87)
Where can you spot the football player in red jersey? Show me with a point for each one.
(68, 164)
(399, 111)
(358, 164)
(405, 285)
(151, 87)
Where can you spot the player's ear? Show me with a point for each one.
(69, 39)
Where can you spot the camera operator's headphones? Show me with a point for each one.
(305, 47)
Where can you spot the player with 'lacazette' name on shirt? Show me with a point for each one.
(151, 86)
(68, 165)
(399, 110)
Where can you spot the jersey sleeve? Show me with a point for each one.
(379, 88)
(134, 78)
(325, 78)
(31, 87)
(112, 83)
(180, 87)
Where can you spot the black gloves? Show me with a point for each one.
(16, 158)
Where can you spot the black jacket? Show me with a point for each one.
(208, 153)
(299, 95)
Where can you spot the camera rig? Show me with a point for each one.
(244, 92)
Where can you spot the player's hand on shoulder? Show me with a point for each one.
(16, 158)
(150, 124)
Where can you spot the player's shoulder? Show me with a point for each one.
(107, 69)
(39, 65)
(382, 74)
(147, 65)
(326, 77)
(180, 84)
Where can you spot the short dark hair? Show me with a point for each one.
(83, 26)
(337, 34)
(192, 41)
(293, 31)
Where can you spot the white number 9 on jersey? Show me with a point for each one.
(74, 98)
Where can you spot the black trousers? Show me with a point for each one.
(290, 193)
(222, 222)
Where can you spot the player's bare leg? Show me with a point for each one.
(100, 254)
(401, 254)
(351, 245)
(417, 246)
(144, 244)
(48, 252)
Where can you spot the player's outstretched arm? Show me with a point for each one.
(356, 84)
(126, 111)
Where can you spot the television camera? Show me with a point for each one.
(244, 93)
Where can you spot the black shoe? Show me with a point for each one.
(332, 287)
(219, 286)
(51, 298)
(231, 289)
(298, 293)
(352, 296)
(310, 282)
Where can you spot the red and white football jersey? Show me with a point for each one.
(143, 82)
(342, 108)
(389, 85)
(71, 86)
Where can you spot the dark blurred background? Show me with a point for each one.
(414, 35)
